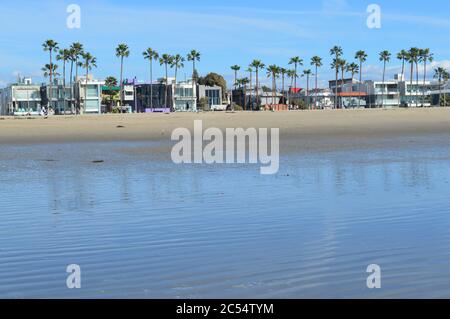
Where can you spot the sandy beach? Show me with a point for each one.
(348, 126)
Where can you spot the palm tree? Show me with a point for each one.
(77, 53)
(76, 50)
(353, 69)
(122, 52)
(413, 57)
(292, 75)
(89, 63)
(50, 69)
(425, 56)
(243, 83)
(361, 56)
(316, 61)
(337, 52)
(250, 72)
(257, 65)
(193, 56)
(343, 67)
(151, 55)
(446, 77)
(110, 83)
(273, 71)
(296, 61)
(166, 59)
(385, 56)
(402, 56)
(50, 46)
(235, 68)
(441, 74)
(307, 73)
(64, 55)
(283, 73)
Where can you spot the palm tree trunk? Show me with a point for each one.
(360, 80)
(307, 92)
(382, 92)
(317, 93)
(257, 90)
(86, 88)
(64, 87)
(71, 85)
(417, 83)
(167, 87)
(151, 83)
(440, 91)
(193, 84)
(51, 81)
(336, 90)
(424, 80)
(412, 74)
(121, 82)
(295, 80)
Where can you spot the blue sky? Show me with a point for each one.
(225, 32)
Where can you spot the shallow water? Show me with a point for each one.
(140, 226)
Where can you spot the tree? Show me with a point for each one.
(235, 68)
(361, 56)
(307, 73)
(122, 52)
(166, 59)
(214, 79)
(177, 63)
(50, 46)
(425, 56)
(193, 56)
(292, 75)
(76, 51)
(283, 73)
(273, 71)
(343, 68)
(337, 52)
(151, 55)
(89, 63)
(110, 83)
(353, 69)
(413, 59)
(50, 69)
(243, 83)
(257, 65)
(402, 56)
(316, 61)
(250, 73)
(385, 56)
(441, 75)
(296, 61)
(64, 55)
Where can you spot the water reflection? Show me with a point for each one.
(142, 227)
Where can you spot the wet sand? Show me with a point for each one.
(350, 127)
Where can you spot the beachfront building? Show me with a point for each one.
(22, 98)
(184, 96)
(89, 95)
(443, 92)
(213, 95)
(150, 98)
(383, 94)
(350, 93)
(416, 94)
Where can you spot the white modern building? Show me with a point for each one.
(22, 98)
(89, 94)
(184, 96)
